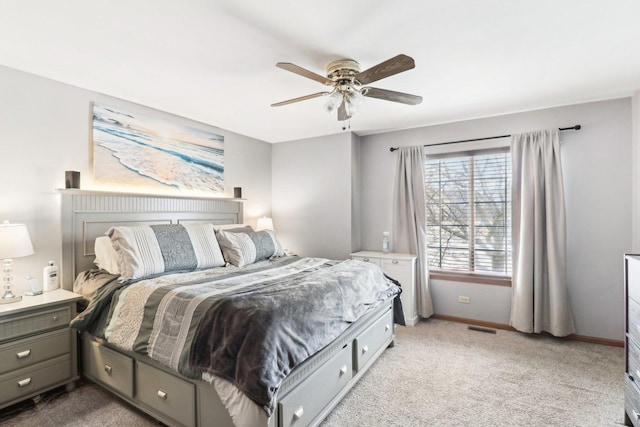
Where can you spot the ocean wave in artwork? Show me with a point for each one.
(197, 164)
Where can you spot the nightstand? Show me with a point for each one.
(401, 267)
(38, 350)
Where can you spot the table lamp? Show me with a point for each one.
(14, 243)
(264, 223)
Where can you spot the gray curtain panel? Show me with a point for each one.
(409, 229)
(540, 300)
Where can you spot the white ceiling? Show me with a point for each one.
(214, 60)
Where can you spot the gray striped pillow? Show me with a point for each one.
(243, 246)
(147, 250)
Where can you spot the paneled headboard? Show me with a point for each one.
(86, 215)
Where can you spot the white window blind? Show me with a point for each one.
(469, 212)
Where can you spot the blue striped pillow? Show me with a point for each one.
(243, 246)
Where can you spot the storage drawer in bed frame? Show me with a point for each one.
(108, 367)
(166, 393)
(310, 397)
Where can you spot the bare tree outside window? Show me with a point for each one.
(468, 201)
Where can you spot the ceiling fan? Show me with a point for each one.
(348, 84)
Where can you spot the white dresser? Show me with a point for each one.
(37, 347)
(401, 267)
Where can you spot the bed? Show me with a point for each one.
(174, 371)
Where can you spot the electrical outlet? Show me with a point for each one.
(464, 300)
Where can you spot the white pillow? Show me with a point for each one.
(106, 256)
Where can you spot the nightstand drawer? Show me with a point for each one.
(166, 393)
(107, 366)
(29, 351)
(34, 322)
(372, 260)
(38, 377)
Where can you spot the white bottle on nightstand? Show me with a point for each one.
(386, 245)
(50, 277)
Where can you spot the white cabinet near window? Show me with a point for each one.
(401, 267)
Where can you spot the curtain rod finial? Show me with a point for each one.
(392, 149)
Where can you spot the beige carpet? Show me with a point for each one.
(438, 374)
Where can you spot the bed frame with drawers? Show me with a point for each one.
(307, 395)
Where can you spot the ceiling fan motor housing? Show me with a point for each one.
(342, 68)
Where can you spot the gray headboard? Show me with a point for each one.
(86, 215)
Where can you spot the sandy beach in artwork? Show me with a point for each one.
(105, 164)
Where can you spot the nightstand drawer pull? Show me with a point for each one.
(23, 354)
(386, 328)
(343, 370)
(108, 369)
(365, 259)
(162, 395)
(365, 349)
(395, 261)
(54, 317)
(298, 413)
(24, 383)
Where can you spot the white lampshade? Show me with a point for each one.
(264, 223)
(14, 241)
(334, 101)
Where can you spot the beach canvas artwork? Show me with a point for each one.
(135, 149)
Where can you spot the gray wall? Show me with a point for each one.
(45, 129)
(598, 179)
(313, 195)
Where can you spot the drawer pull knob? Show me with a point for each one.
(24, 383)
(298, 413)
(395, 261)
(386, 328)
(343, 370)
(23, 354)
(55, 317)
(365, 259)
(108, 369)
(162, 395)
(365, 349)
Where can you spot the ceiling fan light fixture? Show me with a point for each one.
(353, 101)
(334, 101)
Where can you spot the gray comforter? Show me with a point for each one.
(251, 326)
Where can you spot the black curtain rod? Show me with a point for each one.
(392, 149)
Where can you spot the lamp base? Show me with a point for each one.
(9, 299)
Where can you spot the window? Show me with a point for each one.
(469, 212)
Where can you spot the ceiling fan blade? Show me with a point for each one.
(303, 72)
(392, 66)
(342, 112)
(389, 95)
(302, 98)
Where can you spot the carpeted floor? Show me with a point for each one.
(438, 374)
